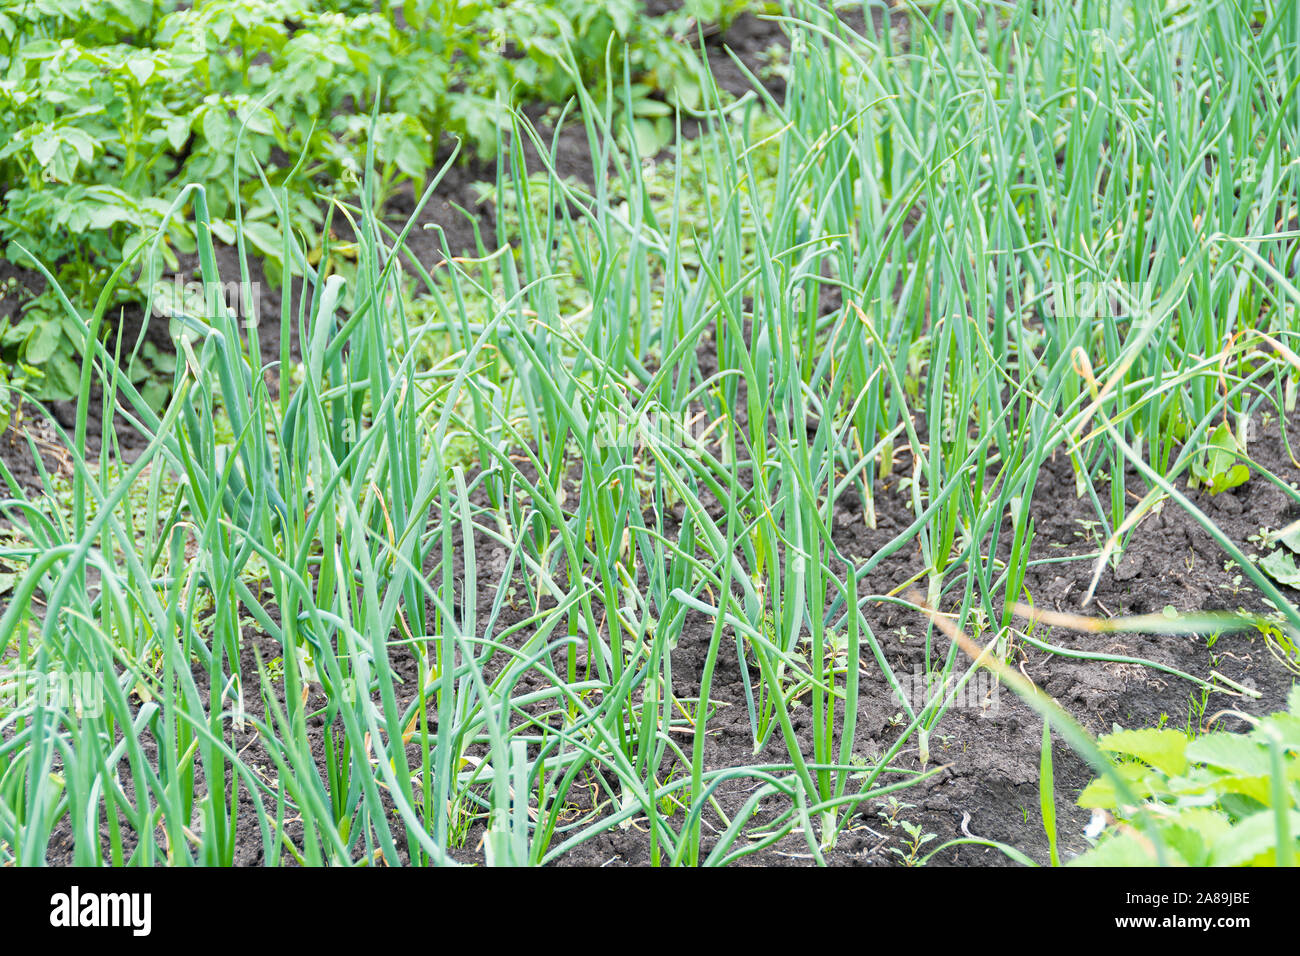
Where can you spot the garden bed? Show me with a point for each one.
(641, 631)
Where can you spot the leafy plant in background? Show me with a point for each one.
(108, 109)
(1221, 799)
(1280, 563)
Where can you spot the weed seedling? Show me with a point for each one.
(890, 809)
(915, 840)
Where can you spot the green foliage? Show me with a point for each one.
(1279, 563)
(815, 286)
(1281, 567)
(1222, 799)
(1047, 793)
(108, 109)
(1220, 468)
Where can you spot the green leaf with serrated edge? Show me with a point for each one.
(1233, 752)
(1162, 749)
(1252, 842)
(1194, 832)
(1124, 849)
(1102, 792)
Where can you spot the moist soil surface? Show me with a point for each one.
(989, 747)
(989, 744)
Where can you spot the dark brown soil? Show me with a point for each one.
(991, 753)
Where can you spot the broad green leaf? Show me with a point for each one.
(1221, 468)
(62, 376)
(1222, 447)
(80, 141)
(1235, 476)
(1252, 842)
(178, 131)
(1287, 728)
(1233, 752)
(1101, 792)
(1194, 832)
(217, 128)
(1292, 540)
(105, 215)
(1123, 849)
(264, 237)
(44, 145)
(1281, 567)
(43, 341)
(1162, 749)
(141, 68)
